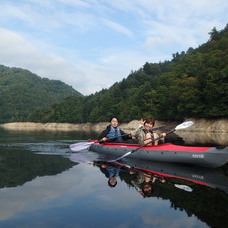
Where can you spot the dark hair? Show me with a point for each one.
(150, 121)
(111, 185)
(147, 193)
(113, 118)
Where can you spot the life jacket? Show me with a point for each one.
(152, 133)
(113, 171)
(114, 132)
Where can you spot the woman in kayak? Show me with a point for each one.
(112, 133)
(145, 135)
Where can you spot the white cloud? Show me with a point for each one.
(92, 44)
(41, 191)
(172, 219)
(18, 52)
(118, 27)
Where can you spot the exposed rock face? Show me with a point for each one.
(206, 132)
(200, 125)
(202, 131)
(54, 126)
(204, 125)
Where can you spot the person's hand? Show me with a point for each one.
(163, 135)
(163, 180)
(103, 140)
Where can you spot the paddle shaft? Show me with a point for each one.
(85, 145)
(152, 129)
(112, 138)
(160, 137)
(133, 151)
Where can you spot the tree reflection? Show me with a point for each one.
(19, 166)
(203, 201)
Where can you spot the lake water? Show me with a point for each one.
(43, 185)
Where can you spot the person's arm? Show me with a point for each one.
(162, 140)
(125, 135)
(148, 139)
(103, 134)
(137, 131)
(156, 141)
(138, 134)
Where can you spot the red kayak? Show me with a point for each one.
(194, 155)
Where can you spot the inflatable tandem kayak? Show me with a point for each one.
(198, 156)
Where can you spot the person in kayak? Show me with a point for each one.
(144, 134)
(110, 171)
(113, 133)
(144, 183)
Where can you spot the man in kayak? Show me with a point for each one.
(144, 134)
(112, 133)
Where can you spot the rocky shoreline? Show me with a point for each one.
(200, 125)
(204, 130)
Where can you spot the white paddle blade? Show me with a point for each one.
(80, 146)
(184, 125)
(183, 187)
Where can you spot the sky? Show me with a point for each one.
(91, 44)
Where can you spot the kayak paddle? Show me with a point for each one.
(85, 145)
(178, 127)
(180, 186)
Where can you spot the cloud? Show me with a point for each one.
(173, 218)
(117, 27)
(89, 77)
(92, 44)
(18, 52)
(75, 3)
(41, 192)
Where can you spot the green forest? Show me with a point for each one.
(23, 93)
(193, 84)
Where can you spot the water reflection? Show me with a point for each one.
(197, 191)
(43, 185)
(150, 171)
(18, 166)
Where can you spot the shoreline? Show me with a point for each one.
(201, 132)
(200, 125)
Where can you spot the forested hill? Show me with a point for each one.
(22, 92)
(192, 84)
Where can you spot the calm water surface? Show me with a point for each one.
(43, 185)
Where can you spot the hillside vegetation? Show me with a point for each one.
(192, 84)
(23, 93)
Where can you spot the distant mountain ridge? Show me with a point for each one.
(192, 85)
(23, 92)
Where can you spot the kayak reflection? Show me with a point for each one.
(142, 181)
(202, 192)
(184, 177)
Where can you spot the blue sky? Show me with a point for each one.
(91, 44)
